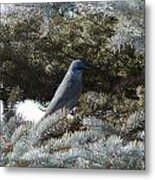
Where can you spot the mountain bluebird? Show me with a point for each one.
(69, 90)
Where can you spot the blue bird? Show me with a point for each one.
(68, 92)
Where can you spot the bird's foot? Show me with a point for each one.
(72, 113)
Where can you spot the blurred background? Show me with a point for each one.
(38, 42)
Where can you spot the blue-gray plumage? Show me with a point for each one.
(69, 90)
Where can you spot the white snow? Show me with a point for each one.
(29, 110)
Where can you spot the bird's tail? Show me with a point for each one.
(45, 116)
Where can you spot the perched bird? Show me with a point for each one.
(69, 90)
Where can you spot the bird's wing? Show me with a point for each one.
(67, 90)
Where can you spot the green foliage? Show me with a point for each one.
(38, 42)
(113, 109)
(95, 144)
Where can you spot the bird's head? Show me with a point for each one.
(77, 67)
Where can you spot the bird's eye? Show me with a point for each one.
(78, 68)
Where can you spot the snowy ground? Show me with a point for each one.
(28, 109)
